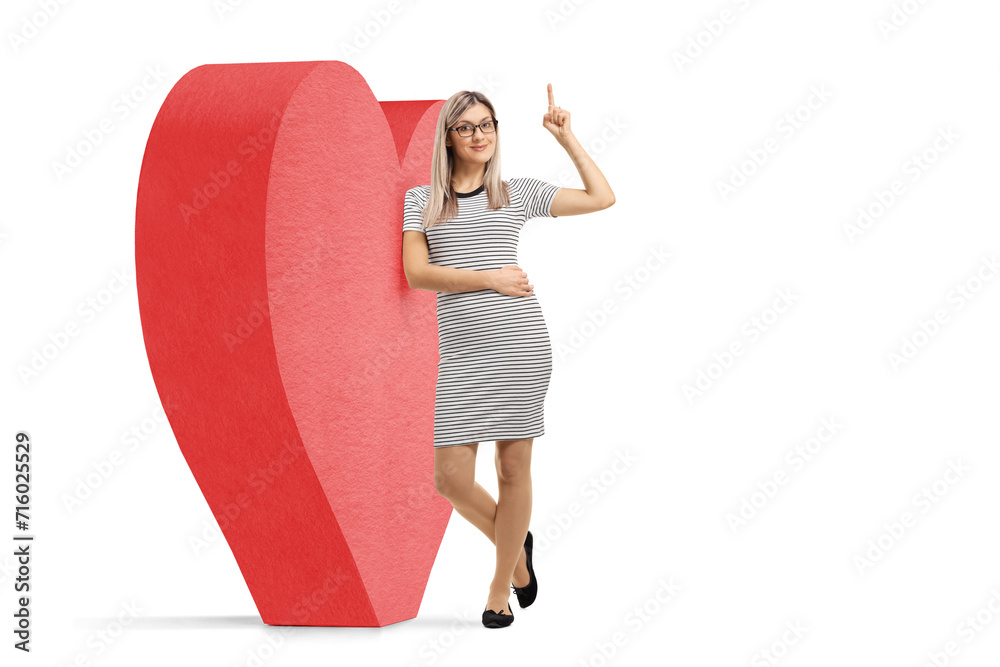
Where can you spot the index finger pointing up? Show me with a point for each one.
(552, 101)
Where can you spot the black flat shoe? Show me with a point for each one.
(492, 619)
(526, 595)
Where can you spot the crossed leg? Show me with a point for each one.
(504, 521)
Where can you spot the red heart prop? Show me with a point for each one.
(296, 366)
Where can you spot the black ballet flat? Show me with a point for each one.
(492, 619)
(526, 595)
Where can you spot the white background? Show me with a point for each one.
(665, 135)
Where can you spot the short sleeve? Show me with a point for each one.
(536, 197)
(412, 211)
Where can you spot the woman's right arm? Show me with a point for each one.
(421, 274)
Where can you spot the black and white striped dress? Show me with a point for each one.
(496, 356)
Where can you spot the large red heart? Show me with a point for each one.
(295, 365)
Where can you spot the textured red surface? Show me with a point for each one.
(295, 365)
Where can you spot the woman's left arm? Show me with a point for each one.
(596, 193)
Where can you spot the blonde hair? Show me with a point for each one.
(442, 204)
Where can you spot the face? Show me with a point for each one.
(479, 147)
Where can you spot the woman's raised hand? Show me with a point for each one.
(511, 280)
(556, 120)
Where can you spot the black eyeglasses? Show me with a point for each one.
(466, 131)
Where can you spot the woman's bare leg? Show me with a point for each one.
(513, 462)
(454, 478)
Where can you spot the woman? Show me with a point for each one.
(460, 238)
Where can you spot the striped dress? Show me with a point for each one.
(496, 356)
